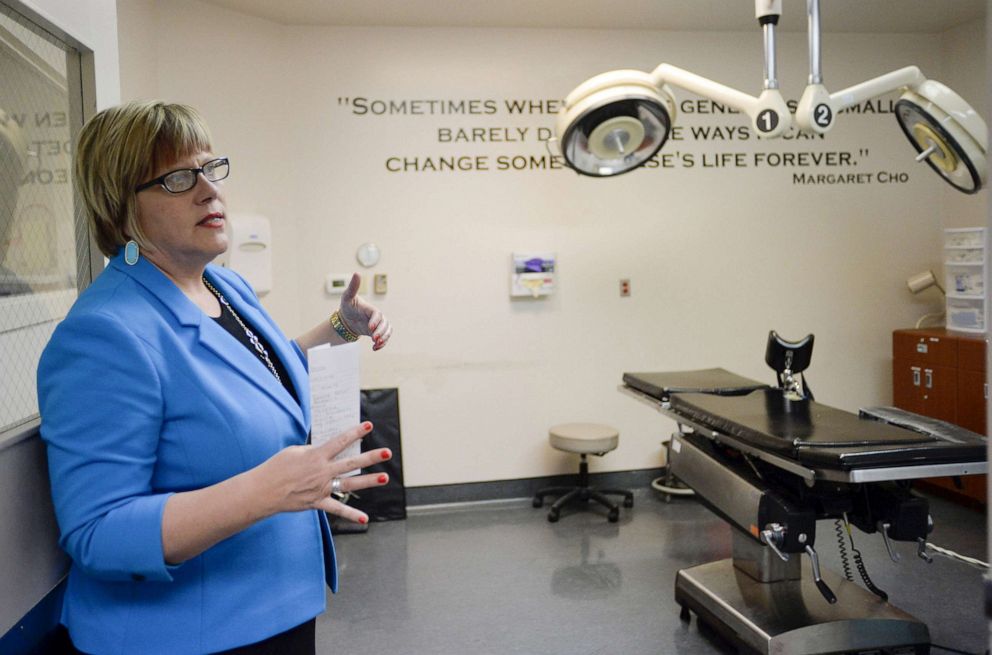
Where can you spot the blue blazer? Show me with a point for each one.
(142, 396)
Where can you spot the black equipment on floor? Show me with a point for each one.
(388, 503)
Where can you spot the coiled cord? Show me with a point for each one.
(842, 547)
(864, 576)
(860, 564)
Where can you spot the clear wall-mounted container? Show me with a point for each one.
(965, 280)
(964, 277)
(964, 237)
(964, 255)
(966, 314)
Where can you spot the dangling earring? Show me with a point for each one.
(131, 252)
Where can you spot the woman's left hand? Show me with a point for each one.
(362, 317)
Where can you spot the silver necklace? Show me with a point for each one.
(263, 354)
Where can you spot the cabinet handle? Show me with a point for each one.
(928, 375)
(916, 377)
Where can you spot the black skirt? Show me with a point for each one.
(295, 641)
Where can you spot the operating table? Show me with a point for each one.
(772, 461)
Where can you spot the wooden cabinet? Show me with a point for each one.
(941, 374)
(972, 385)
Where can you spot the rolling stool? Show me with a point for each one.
(584, 439)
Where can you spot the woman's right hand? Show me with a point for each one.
(300, 477)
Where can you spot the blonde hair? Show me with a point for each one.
(121, 147)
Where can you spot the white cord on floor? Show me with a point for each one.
(961, 558)
(658, 484)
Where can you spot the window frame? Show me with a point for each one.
(81, 92)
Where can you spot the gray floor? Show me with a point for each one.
(498, 578)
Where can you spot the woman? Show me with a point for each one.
(176, 416)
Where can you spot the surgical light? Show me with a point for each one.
(617, 121)
(620, 120)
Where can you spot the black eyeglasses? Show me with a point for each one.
(184, 179)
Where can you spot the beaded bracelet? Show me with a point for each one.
(342, 328)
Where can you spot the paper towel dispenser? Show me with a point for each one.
(250, 252)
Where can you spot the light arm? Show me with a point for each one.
(756, 108)
(702, 86)
(909, 76)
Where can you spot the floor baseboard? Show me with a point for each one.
(522, 488)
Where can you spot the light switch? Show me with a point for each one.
(379, 283)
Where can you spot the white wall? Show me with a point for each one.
(716, 256)
(963, 68)
(138, 35)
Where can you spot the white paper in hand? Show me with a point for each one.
(335, 396)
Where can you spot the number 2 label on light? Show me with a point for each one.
(822, 115)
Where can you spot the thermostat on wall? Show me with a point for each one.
(336, 283)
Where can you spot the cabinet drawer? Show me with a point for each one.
(924, 348)
(971, 355)
(939, 387)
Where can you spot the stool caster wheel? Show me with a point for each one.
(628, 502)
(537, 502)
(553, 516)
(684, 614)
(614, 515)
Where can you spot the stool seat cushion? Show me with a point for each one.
(583, 437)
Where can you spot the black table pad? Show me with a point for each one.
(816, 434)
(710, 380)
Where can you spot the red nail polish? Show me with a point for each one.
(386, 454)
(382, 479)
(363, 520)
(366, 426)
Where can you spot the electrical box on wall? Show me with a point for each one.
(533, 274)
(250, 252)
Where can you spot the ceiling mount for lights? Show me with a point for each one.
(617, 121)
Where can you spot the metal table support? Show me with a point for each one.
(786, 615)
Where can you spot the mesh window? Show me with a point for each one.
(39, 234)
